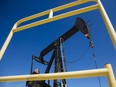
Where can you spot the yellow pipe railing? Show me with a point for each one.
(108, 23)
(51, 18)
(107, 71)
(54, 10)
(68, 14)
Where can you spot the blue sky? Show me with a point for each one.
(17, 58)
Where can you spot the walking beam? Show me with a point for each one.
(107, 71)
(51, 18)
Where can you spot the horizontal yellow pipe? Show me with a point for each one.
(78, 2)
(54, 10)
(68, 14)
(52, 76)
(32, 17)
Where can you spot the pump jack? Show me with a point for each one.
(58, 54)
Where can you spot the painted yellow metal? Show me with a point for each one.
(108, 23)
(51, 13)
(107, 71)
(52, 76)
(7, 42)
(61, 16)
(70, 5)
(68, 14)
(110, 76)
(54, 10)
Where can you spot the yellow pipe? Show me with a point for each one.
(68, 14)
(107, 71)
(108, 23)
(7, 41)
(52, 76)
(70, 5)
(54, 10)
(51, 13)
(110, 76)
(32, 17)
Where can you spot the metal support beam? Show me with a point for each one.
(52, 76)
(3, 49)
(107, 71)
(51, 13)
(61, 16)
(110, 76)
(108, 23)
(54, 10)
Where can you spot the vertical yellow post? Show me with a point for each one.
(7, 41)
(108, 23)
(110, 76)
(51, 13)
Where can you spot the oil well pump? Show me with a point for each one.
(59, 75)
(58, 55)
